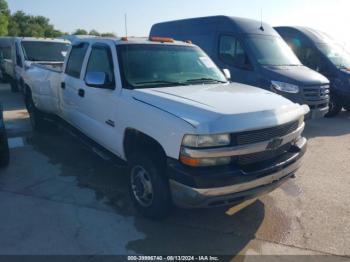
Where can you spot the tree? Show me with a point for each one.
(21, 24)
(4, 17)
(80, 32)
(94, 32)
(108, 35)
(18, 23)
(13, 28)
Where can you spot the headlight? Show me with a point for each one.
(285, 87)
(206, 140)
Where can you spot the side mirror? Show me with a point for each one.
(97, 79)
(27, 65)
(227, 73)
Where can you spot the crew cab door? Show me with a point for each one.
(98, 103)
(71, 82)
(19, 61)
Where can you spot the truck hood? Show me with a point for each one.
(297, 75)
(222, 107)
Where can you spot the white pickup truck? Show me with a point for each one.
(21, 52)
(188, 135)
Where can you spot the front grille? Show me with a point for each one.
(256, 136)
(262, 156)
(316, 93)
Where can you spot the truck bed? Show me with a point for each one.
(52, 66)
(44, 80)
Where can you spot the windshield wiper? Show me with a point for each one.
(160, 82)
(205, 79)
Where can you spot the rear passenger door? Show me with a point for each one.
(19, 63)
(233, 56)
(71, 83)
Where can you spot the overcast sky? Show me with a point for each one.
(108, 15)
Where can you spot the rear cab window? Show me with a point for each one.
(18, 56)
(6, 52)
(76, 60)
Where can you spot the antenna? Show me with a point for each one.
(261, 20)
(126, 24)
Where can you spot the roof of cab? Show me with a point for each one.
(312, 34)
(130, 40)
(213, 24)
(41, 39)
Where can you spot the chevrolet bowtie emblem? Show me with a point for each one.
(274, 144)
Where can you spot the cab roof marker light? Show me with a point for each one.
(161, 39)
(188, 41)
(124, 38)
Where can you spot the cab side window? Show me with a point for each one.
(76, 59)
(312, 59)
(232, 53)
(18, 57)
(101, 61)
(307, 55)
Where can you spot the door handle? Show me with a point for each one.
(81, 92)
(63, 85)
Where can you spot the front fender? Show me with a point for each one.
(165, 128)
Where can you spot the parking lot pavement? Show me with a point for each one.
(58, 197)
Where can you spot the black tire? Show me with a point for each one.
(4, 151)
(14, 86)
(160, 203)
(37, 118)
(5, 78)
(347, 107)
(335, 107)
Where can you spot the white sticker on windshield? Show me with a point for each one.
(207, 62)
(64, 53)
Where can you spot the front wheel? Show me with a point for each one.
(335, 107)
(36, 116)
(4, 151)
(149, 188)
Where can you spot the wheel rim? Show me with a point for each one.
(141, 185)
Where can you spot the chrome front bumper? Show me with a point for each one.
(318, 113)
(189, 197)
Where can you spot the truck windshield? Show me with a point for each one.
(158, 65)
(45, 51)
(271, 51)
(336, 54)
